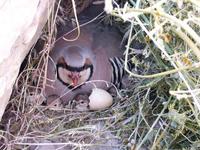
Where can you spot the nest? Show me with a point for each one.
(161, 108)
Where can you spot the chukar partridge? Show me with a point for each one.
(95, 55)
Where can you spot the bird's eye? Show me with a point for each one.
(69, 75)
(82, 102)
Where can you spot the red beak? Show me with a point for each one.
(74, 81)
(75, 78)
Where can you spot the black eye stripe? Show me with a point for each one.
(77, 69)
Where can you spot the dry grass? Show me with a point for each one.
(159, 111)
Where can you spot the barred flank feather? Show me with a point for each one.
(118, 70)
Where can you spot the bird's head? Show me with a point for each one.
(74, 68)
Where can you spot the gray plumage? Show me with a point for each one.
(100, 45)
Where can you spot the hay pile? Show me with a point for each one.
(159, 111)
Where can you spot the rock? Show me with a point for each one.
(21, 25)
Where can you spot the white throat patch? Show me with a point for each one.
(63, 75)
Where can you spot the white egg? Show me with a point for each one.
(100, 99)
